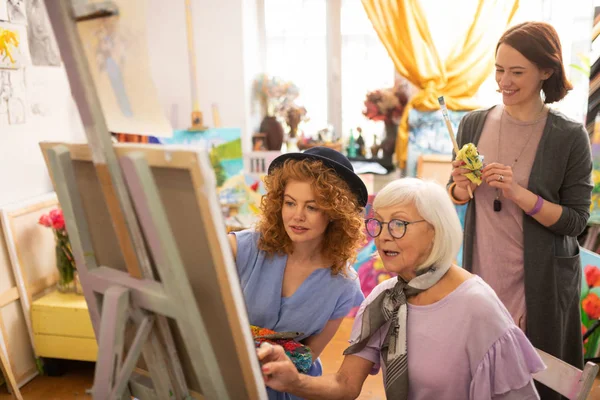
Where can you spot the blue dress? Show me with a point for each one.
(320, 298)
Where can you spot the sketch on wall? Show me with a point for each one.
(17, 105)
(42, 43)
(16, 11)
(12, 97)
(118, 60)
(45, 84)
(14, 50)
(3, 10)
(5, 93)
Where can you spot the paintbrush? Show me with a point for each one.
(451, 132)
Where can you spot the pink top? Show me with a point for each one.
(463, 347)
(498, 245)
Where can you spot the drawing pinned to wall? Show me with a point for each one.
(12, 92)
(16, 11)
(14, 50)
(16, 111)
(42, 43)
(118, 60)
(46, 86)
(4, 96)
(12, 97)
(3, 10)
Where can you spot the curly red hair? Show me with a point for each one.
(333, 196)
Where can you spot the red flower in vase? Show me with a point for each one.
(58, 220)
(46, 221)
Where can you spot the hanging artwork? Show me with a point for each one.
(16, 11)
(14, 50)
(428, 135)
(595, 207)
(118, 60)
(4, 95)
(3, 10)
(590, 302)
(224, 144)
(42, 43)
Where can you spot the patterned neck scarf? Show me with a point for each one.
(391, 304)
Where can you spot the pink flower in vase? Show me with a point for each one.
(58, 221)
(45, 220)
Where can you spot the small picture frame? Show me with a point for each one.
(259, 142)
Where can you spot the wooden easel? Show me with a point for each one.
(150, 288)
(197, 117)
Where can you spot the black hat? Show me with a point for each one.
(332, 159)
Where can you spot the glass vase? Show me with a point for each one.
(66, 282)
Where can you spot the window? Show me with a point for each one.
(365, 66)
(296, 48)
(333, 81)
(296, 51)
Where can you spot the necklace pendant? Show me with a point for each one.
(497, 205)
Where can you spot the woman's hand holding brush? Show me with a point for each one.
(464, 186)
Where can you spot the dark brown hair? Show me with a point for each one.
(539, 43)
(344, 235)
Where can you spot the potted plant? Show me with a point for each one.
(275, 96)
(387, 105)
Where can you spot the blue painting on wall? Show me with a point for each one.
(224, 143)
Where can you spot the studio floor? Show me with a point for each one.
(80, 375)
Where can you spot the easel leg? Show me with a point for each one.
(112, 334)
(145, 323)
(156, 361)
(112, 374)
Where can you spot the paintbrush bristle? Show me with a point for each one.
(441, 101)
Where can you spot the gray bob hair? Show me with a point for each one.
(435, 206)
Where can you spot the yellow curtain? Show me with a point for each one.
(403, 29)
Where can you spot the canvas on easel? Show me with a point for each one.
(185, 185)
(178, 303)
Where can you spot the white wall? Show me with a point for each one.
(226, 43)
(23, 172)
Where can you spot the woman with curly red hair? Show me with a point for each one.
(295, 266)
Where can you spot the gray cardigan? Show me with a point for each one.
(561, 173)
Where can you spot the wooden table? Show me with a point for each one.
(62, 327)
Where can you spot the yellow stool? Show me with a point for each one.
(62, 327)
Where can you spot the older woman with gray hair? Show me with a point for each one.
(463, 343)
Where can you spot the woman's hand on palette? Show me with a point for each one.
(279, 372)
(500, 176)
(458, 176)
